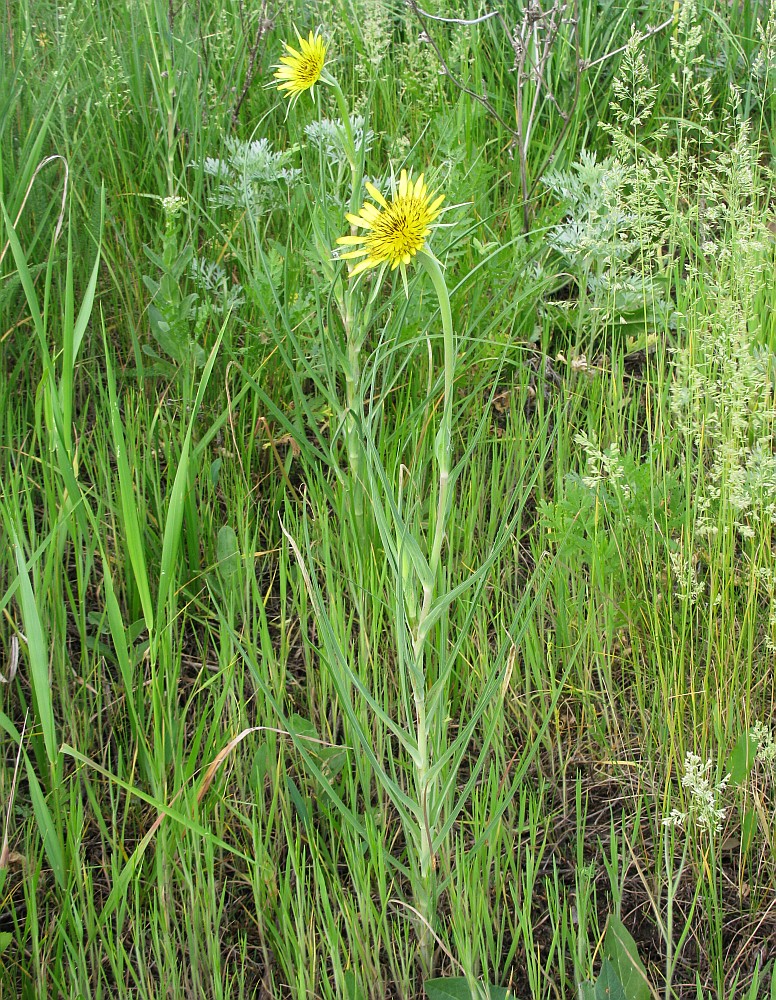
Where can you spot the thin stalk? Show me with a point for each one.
(443, 447)
(354, 333)
(352, 424)
(350, 144)
(673, 886)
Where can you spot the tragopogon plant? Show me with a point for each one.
(412, 524)
(395, 232)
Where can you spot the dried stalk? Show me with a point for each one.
(532, 42)
(265, 25)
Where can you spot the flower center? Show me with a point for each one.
(403, 230)
(310, 68)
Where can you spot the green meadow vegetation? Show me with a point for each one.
(378, 623)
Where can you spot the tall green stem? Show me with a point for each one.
(443, 453)
(354, 332)
(352, 424)
(350, 143)
(444, 440)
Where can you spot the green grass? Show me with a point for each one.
(237, 761)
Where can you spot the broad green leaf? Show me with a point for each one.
(227, 552)
(620, 949)
(741, 759)
(332, 757)
(608, 985)
(5, 940)
(352, 989)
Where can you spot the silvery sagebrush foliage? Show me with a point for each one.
(616, 219)
(328, 135)
(250, 175)
(604, 240)
(595, 232)
(211, 279)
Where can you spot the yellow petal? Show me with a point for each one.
(363, 266)
(369, 212)
(376, 194)
(351, 241)
(356, 220)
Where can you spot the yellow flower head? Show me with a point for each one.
(395, 231)
(300, 69)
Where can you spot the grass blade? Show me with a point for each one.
(134, 539)
(37, 649)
